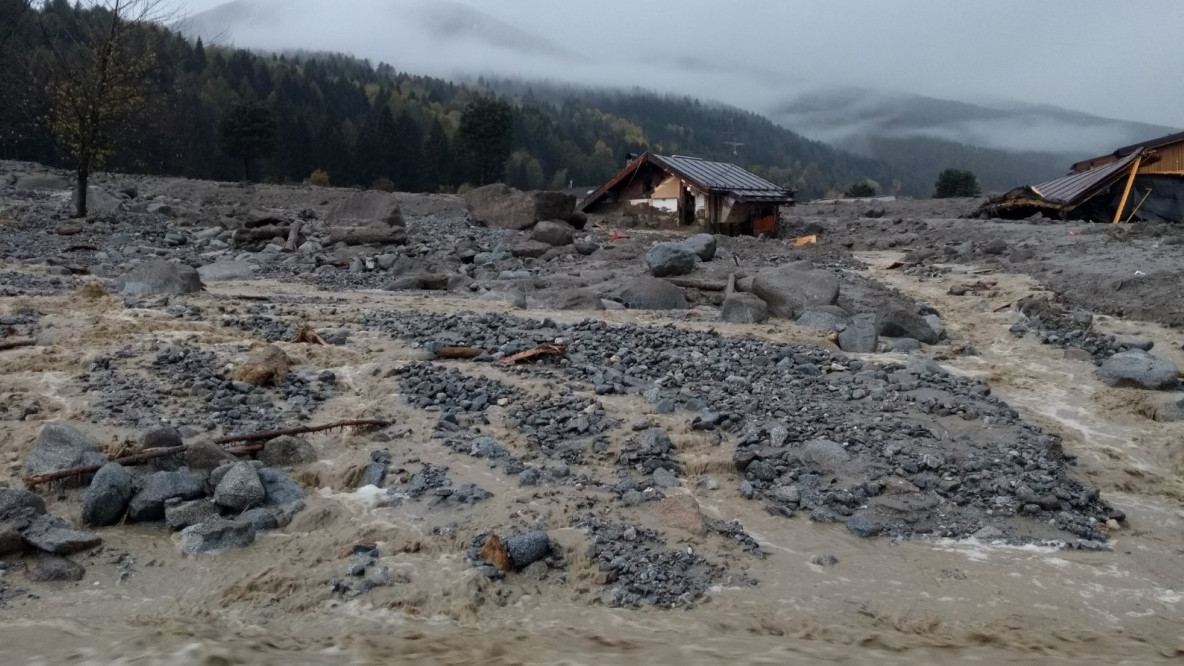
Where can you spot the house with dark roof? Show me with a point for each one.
(1143, 181)
(717, 196)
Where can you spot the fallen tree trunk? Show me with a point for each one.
(459, 352)
(697, 283)
(264, 233)
(152, 454)
(293, 236)
(13, 343)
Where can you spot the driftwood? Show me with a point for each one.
(459, 352)
(307, 335)
(264, 233)
(548, 349)
(697, 283)
(152, 454)
(293, 236)
(731, 288)
(13, 343)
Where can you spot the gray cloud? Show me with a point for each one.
(1085, 55)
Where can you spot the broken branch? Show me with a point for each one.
(307, 335)
(152, 454)
(459, 352)
(548, 349)
(11, 343)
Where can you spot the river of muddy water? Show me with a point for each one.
(884, 602)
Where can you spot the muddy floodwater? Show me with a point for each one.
(881, 602)
(704, 492)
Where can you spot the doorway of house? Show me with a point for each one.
(686, 206)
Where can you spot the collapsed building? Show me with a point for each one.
(720, 197)
(1143, 181)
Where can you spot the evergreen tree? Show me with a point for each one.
(956, 183)
(439, 160)
(247, 131)
(408, 140)
(486, 137)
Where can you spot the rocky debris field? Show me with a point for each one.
(436, 403)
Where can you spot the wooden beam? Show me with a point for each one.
(1126, 193)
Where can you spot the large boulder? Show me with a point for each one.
(226, 270)
(502, 206)
(148, 504)
(240, 488)
(266, 364)
(99, 201)
(216, 536)
(370, 217)
(18, 504)
(287, 451)
(577, 299)
(62, 446)
(279, 488)
(670, 259)
(653, 294)
(525, 548)
(702, 245)
(106, 500)
(553, 232)
(160, 277)
(824, 318)
(1138, 369)
(896, 321)
(859, 337)
(55, 569)
(51, 535)
(742, 308)
(789, 290)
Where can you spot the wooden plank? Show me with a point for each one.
(1126, 192)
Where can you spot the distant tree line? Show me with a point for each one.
(189, 109)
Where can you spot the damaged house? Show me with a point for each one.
(1144, 181)
(717, 196)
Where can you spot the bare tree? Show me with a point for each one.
(96, 71)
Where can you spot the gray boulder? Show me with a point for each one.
(179, 514)
(370, 217)
(107, 498)
(216, 536)
(553, 232)
(897, 321)
(55, 569)
(61, 446)
(790, 289)
(504, 207)
(1138, 369)
(221, 271)
(51, 535)
(160, 277)
(670, 259)
(162, 437)
(206, 455)
(99, 201)
(279, 488)
(703, 245)
(262, 519)
(531, 249)
(525, 548)
(18, 503)
(906, 345)
(824, 318)
(148, 503)
(653, 294)
(240, 488)
(287, 451)
(577, 299)
(11, 541)
(859, 337)
(742, 308)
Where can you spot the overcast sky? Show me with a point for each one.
(1110, 58)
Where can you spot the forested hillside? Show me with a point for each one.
(366, 125)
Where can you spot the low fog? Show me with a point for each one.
(760, 55)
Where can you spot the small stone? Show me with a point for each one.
(824, 560)
(216, 535)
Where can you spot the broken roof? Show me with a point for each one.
(1127, 151)
(713, 177)
(1069, 189)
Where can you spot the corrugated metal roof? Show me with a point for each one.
(1067, 190)
(1127, 150)
(715, 177)
(722, 177)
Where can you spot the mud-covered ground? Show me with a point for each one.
(711, 491)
